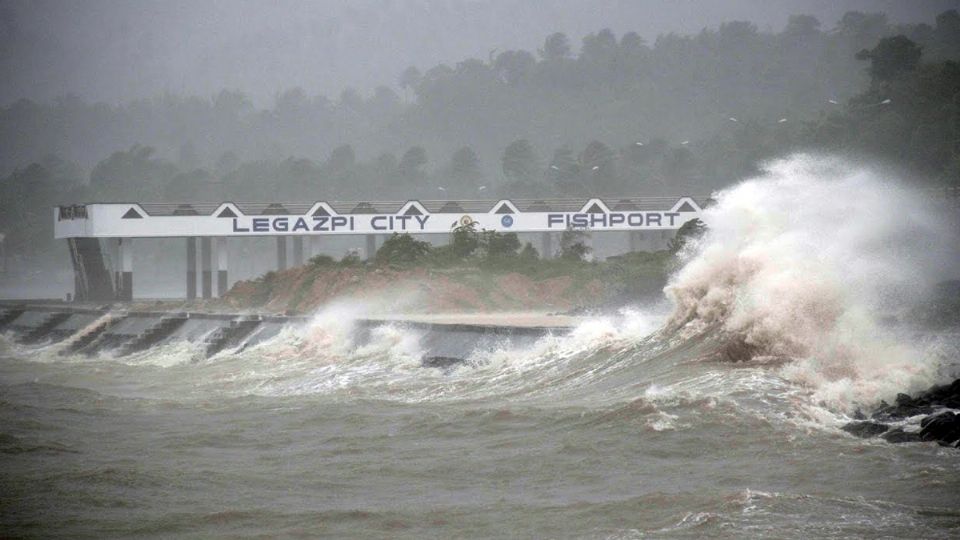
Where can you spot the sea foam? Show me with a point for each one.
(805, 262)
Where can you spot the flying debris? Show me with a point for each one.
(782, 120)
(481, 188)
(885, 102)
(638, 143)
(441, 188)
(554, 167)
(833, 102)
(685, 143)
(732, 119)
(595, 167)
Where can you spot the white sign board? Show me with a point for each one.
(131, 221)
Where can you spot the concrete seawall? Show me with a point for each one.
(89, 330)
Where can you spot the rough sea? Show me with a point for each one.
(716, 415)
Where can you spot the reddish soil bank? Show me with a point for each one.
(305, 288)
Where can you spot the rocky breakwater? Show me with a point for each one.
(929, 416)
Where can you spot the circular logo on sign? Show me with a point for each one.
(465, 221)
(506, 221)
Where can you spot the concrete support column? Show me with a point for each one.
(371, 245)
(636, 238)
(314, 246)
(298, 251)
(281, 253)
(126, 269)
(191, 268)
(220, 248)
(588, 241)
(546, 245)
(113, 244)
(206, 277)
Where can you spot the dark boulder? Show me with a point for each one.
(441, 362)
(865, 429)
(946, 396)
(943, 428)
(900, 436)
(905, 407)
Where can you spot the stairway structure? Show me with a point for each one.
(85, 340)
(226, 338)
(43, 330)
(8, 316)
(92, 279)
(164, 328)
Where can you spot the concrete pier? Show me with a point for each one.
(281, 253)
(546, 245)
(191, 268)
(126, 269)
(111, 226)
(220, 250)
(297, 250)
(206, 264)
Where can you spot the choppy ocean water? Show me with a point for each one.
(600, 434)
(719, 418)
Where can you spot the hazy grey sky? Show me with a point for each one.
(116, 50)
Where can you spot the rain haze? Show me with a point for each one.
(480, 269)
(116, 51)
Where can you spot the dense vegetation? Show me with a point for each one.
(477, 259)
(685, 114)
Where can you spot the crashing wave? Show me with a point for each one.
(805, 262)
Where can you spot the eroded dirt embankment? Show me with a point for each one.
(305, 288)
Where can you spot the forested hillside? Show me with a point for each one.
(614, 115)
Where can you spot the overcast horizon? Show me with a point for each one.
(114, 51)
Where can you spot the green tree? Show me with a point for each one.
(555, 48)
(342, 158)
(564, 172)
(465, 168)
(410, 79)
(529, 253)
(600, 48)
(411, 167)
(802, 26)
(892, 58)
(573, 246)
(402, 249)
(598, 166)
(464, 241)
(514, 66)
(519, 162)
(131, 174)
(499, 245)
(351, 99)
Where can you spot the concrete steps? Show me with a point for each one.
(8, 316)
(43, 330)
(92, 329)
(87, 339)
(230, 337)
(153, 335)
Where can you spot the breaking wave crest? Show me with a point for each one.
(796, 280)
(808, 263)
